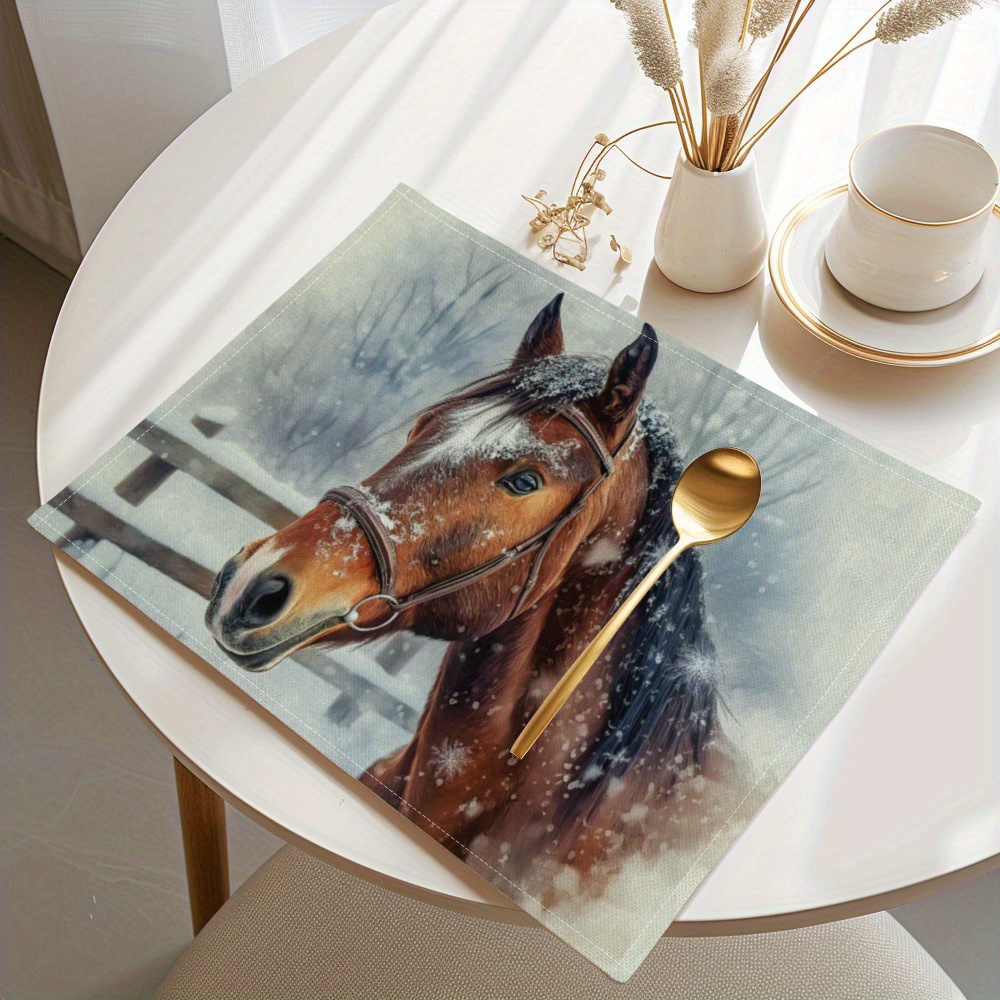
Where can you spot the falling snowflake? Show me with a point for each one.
(449, 759)
(700, 663)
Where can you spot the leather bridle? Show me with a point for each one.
(360, 506)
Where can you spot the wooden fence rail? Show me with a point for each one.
(171, 455)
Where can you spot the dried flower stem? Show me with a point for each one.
(683, 127)
(670, 23)
(695, 155)
(704, 106)
(721, 123)
(679, 102)
(614, 144)
(645, 170)
(554, 222)
(583, 163)
(742, 146)
(745, 148)
(712, 141)
(732, 126)
(746, 22)
(791, 26)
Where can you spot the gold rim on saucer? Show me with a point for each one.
(777, 266)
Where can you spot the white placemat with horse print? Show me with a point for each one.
(418, 380)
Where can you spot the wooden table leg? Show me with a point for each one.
(206, 856)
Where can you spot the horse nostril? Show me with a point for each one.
(222, 579)
(265, 601)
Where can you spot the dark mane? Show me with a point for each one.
(662, 706)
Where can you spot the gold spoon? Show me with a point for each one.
(713, 499)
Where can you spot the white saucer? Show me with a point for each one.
(964, 330)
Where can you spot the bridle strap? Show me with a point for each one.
(591, 435)
(607, 460)
(360, 507)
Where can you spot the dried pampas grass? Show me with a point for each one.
(767, 16)
(718, 26)
(728, 82)
(724, 32)
(908, 18)
(653, 41)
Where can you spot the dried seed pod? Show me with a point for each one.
(577, 260)
(624, 254)
(601, 202)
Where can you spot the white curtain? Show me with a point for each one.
(259, 32)
(121, 79)
(34, 202)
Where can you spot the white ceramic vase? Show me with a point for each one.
(712, 234)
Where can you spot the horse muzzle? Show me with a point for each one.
(257, 628)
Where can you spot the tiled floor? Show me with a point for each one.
(95, 901)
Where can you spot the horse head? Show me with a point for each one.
(484, 471)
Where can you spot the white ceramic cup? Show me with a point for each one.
(911, 234)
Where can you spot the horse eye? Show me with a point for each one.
(521, 483)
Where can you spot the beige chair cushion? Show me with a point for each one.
(299, 929)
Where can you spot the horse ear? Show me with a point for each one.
(619, 399)
(544, 337)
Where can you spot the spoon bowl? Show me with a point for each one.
(716, 495)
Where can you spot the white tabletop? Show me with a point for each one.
(474, 104)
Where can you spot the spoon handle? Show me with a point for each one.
(567, 684)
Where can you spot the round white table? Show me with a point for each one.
(474, 104)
